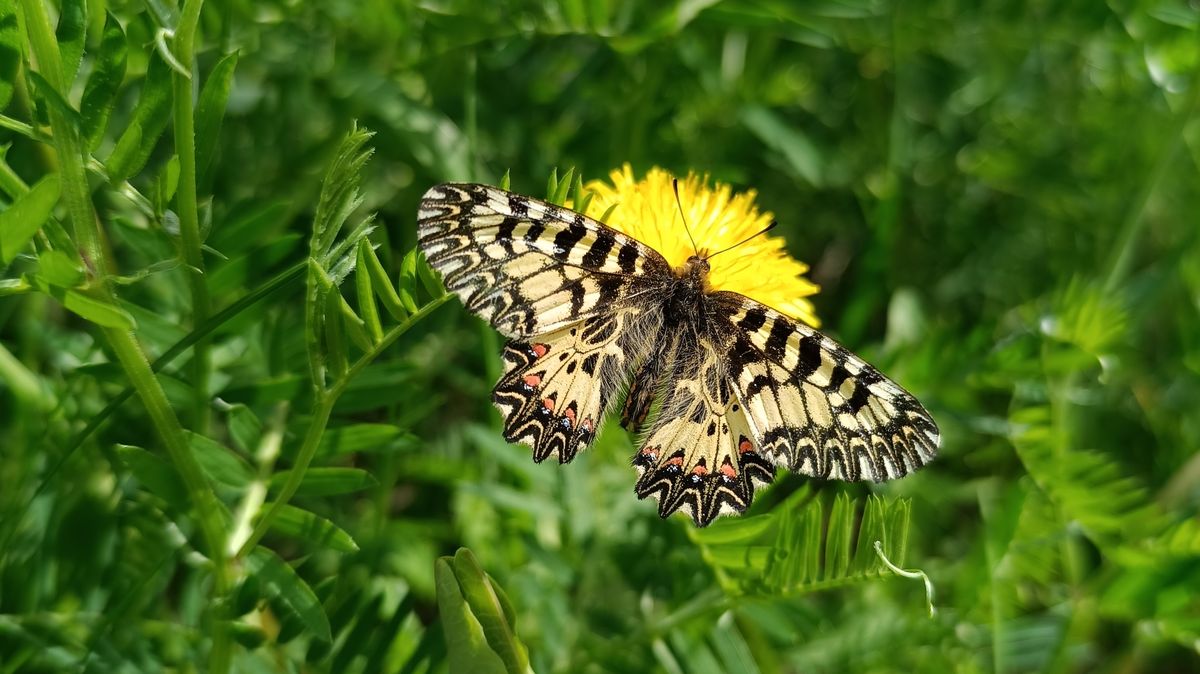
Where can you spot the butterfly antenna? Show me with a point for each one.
(760, 233)
(675, 185)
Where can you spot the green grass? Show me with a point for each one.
(242, 428)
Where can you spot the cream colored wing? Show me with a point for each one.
(700, 457)
(528, 267)
(816, 408)
(557, 387)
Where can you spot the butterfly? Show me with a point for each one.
(722, 388)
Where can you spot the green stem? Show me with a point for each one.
(123, 343)
(187, 209)
(20, 127)
(322, 408)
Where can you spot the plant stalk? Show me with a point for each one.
(187, 208)
(129, 353)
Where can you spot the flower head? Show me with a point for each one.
(760, 269)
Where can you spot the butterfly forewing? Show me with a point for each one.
(815, 407)
(569, 291)
(528, 267)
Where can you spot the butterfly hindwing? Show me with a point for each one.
(557, 387)
(699, 456)
(815, 407)
(526, 266)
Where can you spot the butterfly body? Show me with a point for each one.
(739, 387)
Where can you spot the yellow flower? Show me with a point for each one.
(760, 268)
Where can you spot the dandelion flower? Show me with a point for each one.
(760, 269)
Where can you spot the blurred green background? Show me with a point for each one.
(999, 200)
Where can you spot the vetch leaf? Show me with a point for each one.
(71, 33)
(210, 111)
(408, 281)
(59, 269)
(150, 118)
(327, 481)
(20, 221)
(100, 92)
(219, 462)
(95, 309)
(383, 285)
(10, 50)
(302, 524)
(358, 438)
(280, 582)
(155, 474)
(365, 294)
(51, 97)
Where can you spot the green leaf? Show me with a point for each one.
(59, 269)
(150, 118)
(71, 33)
(408, 282)
(95, 309)
(244, 428)
(797, 150)
(100, 92)
(307, 526)
(506, 180)
(793, 549)
(280, 581)
(219, 462)
(490, 610)
(21, 220)
(429, 278)
(327, 481)
(10, 50)
(54, 99)
(358, 438)
(339, 194)
(155, 474)
(466, 644)
(210, 111)
(383, 285)
(335, 342)
(365, 294)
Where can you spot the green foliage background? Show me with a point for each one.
(999, 200)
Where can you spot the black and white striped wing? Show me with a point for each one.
(526, 266)
(816, 408)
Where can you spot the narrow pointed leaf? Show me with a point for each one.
(150, 118)
(21, 220)
(10, 50)
(365, 294)
(71, 33)
(210, 112)
(100, 92)
(307, 526)
(383, 286)
(327, 481)
(280, 582)
(466, 645)
(219, 462)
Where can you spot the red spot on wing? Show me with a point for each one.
(539, 350)
(587, 424)
(570, 414)
(549, 403)
(698, 470)
(727, 470)
(676, 460)
(745, 446)
(532, 380)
